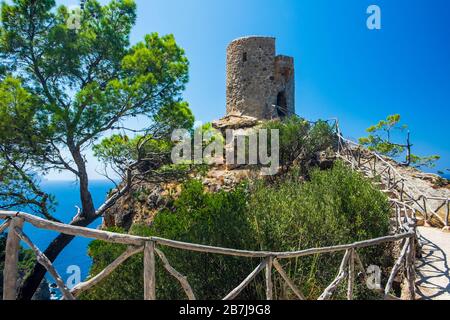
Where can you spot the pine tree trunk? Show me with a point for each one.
(88, 215)
(32, 282)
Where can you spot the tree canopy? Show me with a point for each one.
(380, 139)
(62, 89)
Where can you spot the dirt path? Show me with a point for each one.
(433, 268)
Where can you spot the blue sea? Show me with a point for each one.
(67, 197)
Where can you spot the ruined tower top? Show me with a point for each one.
(260, 84)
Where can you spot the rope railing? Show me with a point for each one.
(149, 246)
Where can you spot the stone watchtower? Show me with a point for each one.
(260, 84)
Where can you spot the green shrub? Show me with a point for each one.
(336, 206)
(217, 219)
(125, 283)
(300, 139)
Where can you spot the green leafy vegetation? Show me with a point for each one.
(301, 140)
(427, 162)
(380, 137)
(121, 149)
(61, 90)
(380, 140)
(196, 217)
(336, 206)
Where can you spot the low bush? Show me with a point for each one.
(216, 219)
(334, 207)
(300, 139)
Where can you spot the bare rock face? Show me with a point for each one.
(234, 121)
(418, 184)
(421, 182)
(141, 204)
(118, 215)
(222, 179)
(146, 200)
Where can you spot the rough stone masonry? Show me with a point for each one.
(260, 84)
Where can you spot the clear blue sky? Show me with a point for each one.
(343, 69)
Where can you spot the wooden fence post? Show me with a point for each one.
(269, 283)
(410, 269)
(397, 217)
(10, 272)
(389, 179)
(402, 191)
(149, 271)
(447, 215)
(425, 208)
(359, 157)
(351, 275)
(375, 166)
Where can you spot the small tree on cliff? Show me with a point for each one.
(380, 140)
(62, 89)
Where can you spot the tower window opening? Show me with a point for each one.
(282, 110)
(244, 58)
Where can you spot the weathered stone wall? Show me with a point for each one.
(257, 78)
(285, 81)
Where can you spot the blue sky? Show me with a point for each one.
(343, 69)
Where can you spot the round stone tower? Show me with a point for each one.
(259, 83)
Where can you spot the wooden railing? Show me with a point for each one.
(404, 203)
(351, 261)
(371, 164)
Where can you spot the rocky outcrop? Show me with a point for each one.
(234, 121)
(419, 183)
(146, 200)
(140, 205)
